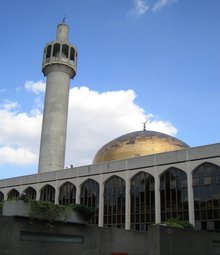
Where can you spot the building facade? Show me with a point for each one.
(137, 192)
(138, 179)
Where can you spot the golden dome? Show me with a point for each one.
(135, 144)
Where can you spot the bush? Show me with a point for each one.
(46, 210)
(85, 211)
(176, 223)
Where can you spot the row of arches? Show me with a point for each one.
(173, 197)
(58, 51)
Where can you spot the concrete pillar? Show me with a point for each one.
(62, 32)
(190, 198)
(157, 200)
(53, 136)
(38, 195)
(101, 204)
(77, 194)
(56, 195)
(127, 205)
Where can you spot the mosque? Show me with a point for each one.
(136, 180)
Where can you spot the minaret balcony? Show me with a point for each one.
(60, 53)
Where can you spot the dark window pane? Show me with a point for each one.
(1, 197)
(142, 200)
(114, 202)
(30, 192)
(67, 194)
(174, 198)
(47, 194)
(89, 196)
(207, 194)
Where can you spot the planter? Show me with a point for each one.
(26, 209)
(16, 208)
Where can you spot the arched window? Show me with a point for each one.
(206, 191)
(65, 50)
(114, 203)
(1, 197)
(89, 196)
(47, 194)
(48, 53)
(13, 193)
(30, 192)
(72, 53)
(142, 201)
(67, 194)
(173, 195)
(56, 50)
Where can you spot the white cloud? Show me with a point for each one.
(9, 105)
(162, 126)
(36, 87)
(17, 156)
(140, 7)
(162, 3)
(94, 119)
(19, 135)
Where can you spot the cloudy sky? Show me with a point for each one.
(137, 58)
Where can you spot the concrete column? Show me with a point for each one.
(190, 198)
(38, 195)
(56, 195)
(62, 32)
(127, 205)
(77, 194)
(53, 136)
(157, 200)
(101, 204)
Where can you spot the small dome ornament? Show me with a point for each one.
(64, 19)
(146, 121)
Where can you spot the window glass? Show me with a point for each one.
(174, 198)
(89, 196)
(67, 194)
(114, 203)
(1, 197)
(30, 192)
(13, 193)
(142, 201)
(47, 194)
(207, 196)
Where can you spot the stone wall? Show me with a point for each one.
(20, 236)
(172, 241)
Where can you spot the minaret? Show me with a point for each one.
(59, 66)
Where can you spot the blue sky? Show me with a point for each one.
(159, 58)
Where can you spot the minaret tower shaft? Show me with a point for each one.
(59, 66)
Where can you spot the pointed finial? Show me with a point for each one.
(64, 19)
(147, 119)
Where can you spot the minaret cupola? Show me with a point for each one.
(60, 51)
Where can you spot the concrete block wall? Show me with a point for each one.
(19, 236)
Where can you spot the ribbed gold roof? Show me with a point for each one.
(137, 144)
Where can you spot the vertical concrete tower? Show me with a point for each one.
(59, 66)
